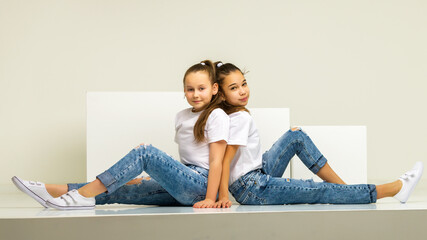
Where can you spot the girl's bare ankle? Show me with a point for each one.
(56, 190)
(398, 186)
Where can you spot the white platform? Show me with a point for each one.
(20, 206)
(23, 218)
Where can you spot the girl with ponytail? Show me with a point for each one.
(201, 134)
(256, 179)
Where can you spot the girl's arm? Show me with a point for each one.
(216, 155)
(223, 200)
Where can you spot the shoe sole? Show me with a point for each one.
(52, 205)
(21, 186)
(420, 174)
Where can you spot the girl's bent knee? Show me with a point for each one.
(293, 129)
(142, 145)
(297, 130)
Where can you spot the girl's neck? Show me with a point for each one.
(197, 111)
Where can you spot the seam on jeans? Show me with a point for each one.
(126, 170)
(247, 193)
(182, 172)
(312, 159)
(198, 199)
(371, 193)
(149, 193)
(245, 185)
(196, 170)
(319, 187)
(159, 157)
(135, 195)
(288, 146)
(150, 156)
(238, 185)
(252, 195)
(140, 152)
(276, 163)
(110, 177)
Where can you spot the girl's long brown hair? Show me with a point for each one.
(199, 127)
(222, 70)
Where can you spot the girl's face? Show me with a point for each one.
(199, 90)
(236, 89)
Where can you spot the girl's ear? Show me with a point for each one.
(214, 88)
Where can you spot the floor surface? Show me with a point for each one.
(18, 206)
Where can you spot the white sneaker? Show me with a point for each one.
(72, 200)
(36, 190)
(409, 181)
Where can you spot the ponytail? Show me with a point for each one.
(199, 127)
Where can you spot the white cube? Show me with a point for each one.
(272, 123)
(345, 148)
(119, 121)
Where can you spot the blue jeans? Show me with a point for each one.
(172, 183)
(265, 186)
(148, 192)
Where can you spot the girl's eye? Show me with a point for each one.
(233, 88)
(244, 84)
(189, 90)
(201, 89)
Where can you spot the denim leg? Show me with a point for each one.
(186, 185)
(262, 189)
(275, 160)
(148, 192)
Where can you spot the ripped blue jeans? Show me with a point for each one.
(171, 183)
(266, 187)
(148, 192)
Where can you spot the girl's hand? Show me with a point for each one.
(223, 203)
(207, 203)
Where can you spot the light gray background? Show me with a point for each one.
(331, 62)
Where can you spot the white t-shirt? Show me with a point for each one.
(216, 129)
(243, 132)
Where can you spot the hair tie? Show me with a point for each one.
(219, 64)
(203, 63)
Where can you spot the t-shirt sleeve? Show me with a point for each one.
(217, 126)
(239, 129)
